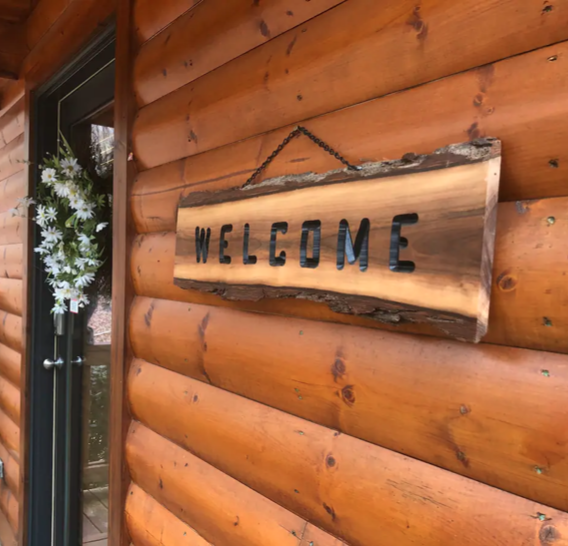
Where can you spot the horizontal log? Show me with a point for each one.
(150, 524)
(11, 336)
(10, 228)
(150, 17)
(10, 360)
(67, 35)
(335, 481)
(219, 508)
(534, 162)
(310, 70)
(210, 35)
(11, 157)
(11, 258)
(42, 18)
(9, 505)
(11, 471)
(10, 400)
(335, 376)
(12, 189)
(12, 93)
(7, 537)
(12, 123)
(11, 292)
(529, 305)
(9, 435)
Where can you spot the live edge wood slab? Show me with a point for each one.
(400, 241)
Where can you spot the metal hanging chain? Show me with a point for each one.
(300, 131)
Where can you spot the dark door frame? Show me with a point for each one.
(48, 413)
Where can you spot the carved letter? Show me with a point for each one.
(247, 260)
(359, 251)
(281, 227)
(227, 228)
(398, 242)
(202, 244)
(307, 227)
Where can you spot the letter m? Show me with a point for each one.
(202, 244)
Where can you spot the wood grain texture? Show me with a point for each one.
(12, 189)
(530, 275)
(150, 524)
(6, 534)
(12, 123)
(9, 434)
(11, 292)
(452, 193)
(122, 292)
(9, 505)
(11, 258)
(297, 75)
(11, 94)
(210, 35)
(350, 379)
(11, 331)
(10, 363)
(496, 100)
(219, 508)
(11, 158)
(150, 17)
(10, 400)
(65, 37)
(44, 15)
(517, 310)
(317, 472)
(14, 11)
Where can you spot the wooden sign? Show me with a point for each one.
(401, 241)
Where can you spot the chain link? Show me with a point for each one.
(300, 131)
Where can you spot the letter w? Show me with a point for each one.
(202, 244)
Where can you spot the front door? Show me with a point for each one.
(69, 375)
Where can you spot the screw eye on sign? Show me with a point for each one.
(399, 241)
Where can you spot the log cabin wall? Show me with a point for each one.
(288, 427)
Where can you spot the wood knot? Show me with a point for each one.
(330, 461)
(348, 395)
(506, 282)
(548, 534)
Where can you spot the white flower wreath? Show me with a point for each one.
(69, 209)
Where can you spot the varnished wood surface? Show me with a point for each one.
(14, 11)
(210, 35)
(336, 481)
(10, 400)
(9, 434)
(297, 75)
(517, 309)
(12, 157)
(12, 123)
(453, 192)
(493, 100)
(122, 292)
(11, 470)
(11, 189)
(150, 524)
(150, 17)
(6, 534)
(11, 261)
(220, 508)
(10, 362)
(350, 379)
(11, 292)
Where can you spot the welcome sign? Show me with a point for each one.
(402, 241)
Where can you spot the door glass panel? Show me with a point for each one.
(93, 141)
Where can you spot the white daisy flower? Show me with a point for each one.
(85, 212)
(80, 262)
(101, 226)
(76, 202)
(84, 280)
(61, 189)
(41, 218)
(41, 250)
(59, 308)
(51, 235)
(51, 214)
(48, 176)
(70, 166)
(94, 263)
(84, 241)
(83, 300)
(63, 293)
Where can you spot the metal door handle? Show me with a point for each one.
(49, 364)
(79, 361)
